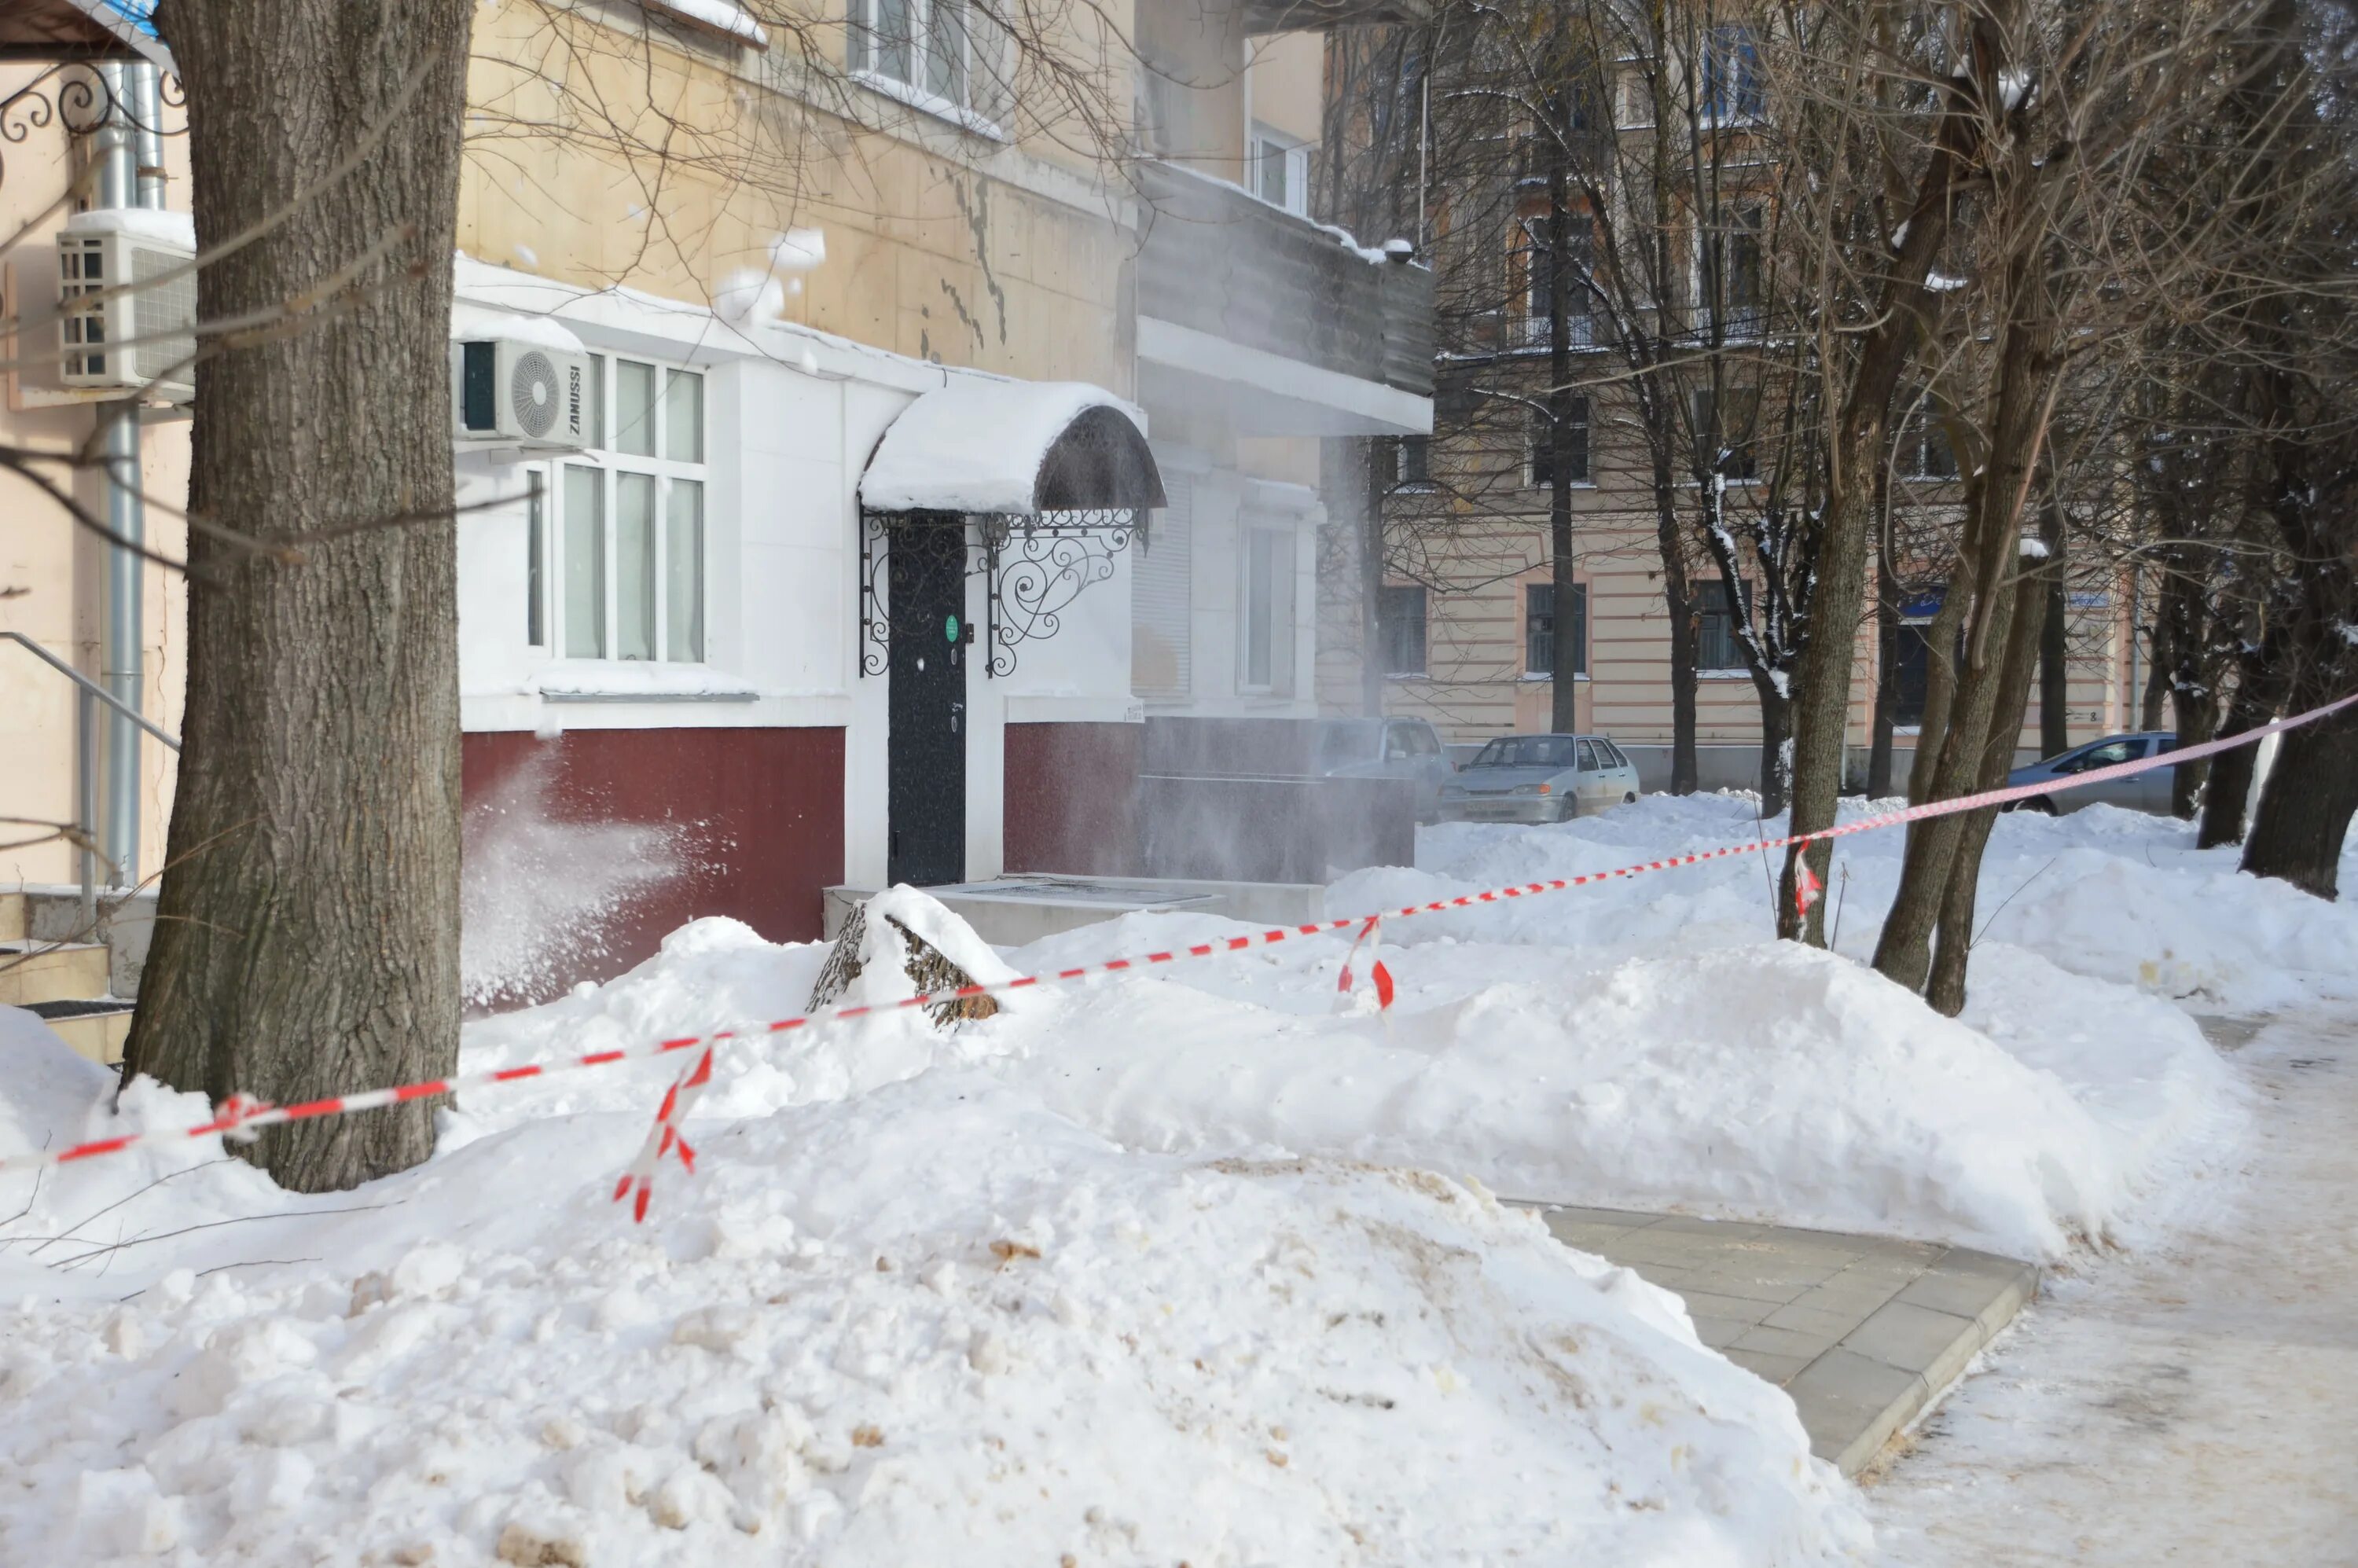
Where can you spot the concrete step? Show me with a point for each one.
(51, 971)
(96, 1029)
(125, 923)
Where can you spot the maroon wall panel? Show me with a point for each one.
(1072, 792)
(584, 851)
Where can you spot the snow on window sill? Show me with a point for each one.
(1407, 674)
(1736, 673)
(1580, 677)
(635, 680)
(931, 104)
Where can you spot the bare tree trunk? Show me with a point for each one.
(2229, 794)
(1940, 686)
(1677, 602)
(306, 940)
(2021, 397)
(1887, 646)
(2155, 697)
(1945, 987)
(1776, 733)
(1373, 451)
(1855, 448)
(2305, 807)
(1564, 715)
(2054, 650)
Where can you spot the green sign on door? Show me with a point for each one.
(949, 628)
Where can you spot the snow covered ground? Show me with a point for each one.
(1143, 1271)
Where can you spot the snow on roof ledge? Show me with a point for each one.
(474, 321)
(985, 446)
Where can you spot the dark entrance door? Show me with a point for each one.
(925, 743)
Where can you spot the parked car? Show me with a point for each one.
(2139, 792)
(1386, 749)
(1540, 778)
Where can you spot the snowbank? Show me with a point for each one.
(931, 1323)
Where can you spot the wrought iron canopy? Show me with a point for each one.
(1046, 485)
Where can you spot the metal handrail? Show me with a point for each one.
(91, 687)
(86, 767)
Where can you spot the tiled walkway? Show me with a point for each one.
(1861, 1332)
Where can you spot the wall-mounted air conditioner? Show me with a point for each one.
(515, 387)
(143, 337)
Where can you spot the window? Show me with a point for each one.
(2110, 754)
(1543, 450)
(1528, 751)
(1924, 449)
(1538, 278)
(1414, 460)
(1266, 665)
(1724, 437)
(1734, 282)
(1716, 645)
(1539, 628)
(1731, 74)
(1399, 630)
(921, 44)
(1588, 761)
(1281, 169)
(1406, 738)
(630, 518)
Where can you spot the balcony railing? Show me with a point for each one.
(1221, 261)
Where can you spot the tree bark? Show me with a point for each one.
(1887, 646)
(1939, 685)
(1373, 451)
(1953, 942)
(2054, 656)
(306, 938)
(2305, 805)
(2229, 792)
(1565, 712)
(1679, 606)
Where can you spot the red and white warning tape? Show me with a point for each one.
(240, 1116)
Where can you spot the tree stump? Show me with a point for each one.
(927, 970)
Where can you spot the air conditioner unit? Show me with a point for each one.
(140, 340)
(516, 391)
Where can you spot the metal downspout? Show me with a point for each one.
(129, 151)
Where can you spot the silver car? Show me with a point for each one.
(1540, 778)
(1386, 749)
(2139, 792)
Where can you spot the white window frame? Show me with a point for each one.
(1270, 146)
(1279, 609)
(608, 464)
(964, 106)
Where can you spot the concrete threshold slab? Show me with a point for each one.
(1862, 1331)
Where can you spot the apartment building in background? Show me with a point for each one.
(1469, 617)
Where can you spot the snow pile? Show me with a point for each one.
(931, 1323)
(2118, 894)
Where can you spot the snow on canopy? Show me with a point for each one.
(1013, 446)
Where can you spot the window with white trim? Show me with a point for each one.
(921, 44)
(630, 518)
(1281, 171)
(1265, 627)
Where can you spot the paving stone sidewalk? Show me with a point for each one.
(1863, 1331)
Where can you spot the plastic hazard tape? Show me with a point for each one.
(241, 1116)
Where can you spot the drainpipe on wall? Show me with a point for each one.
(128, 149)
